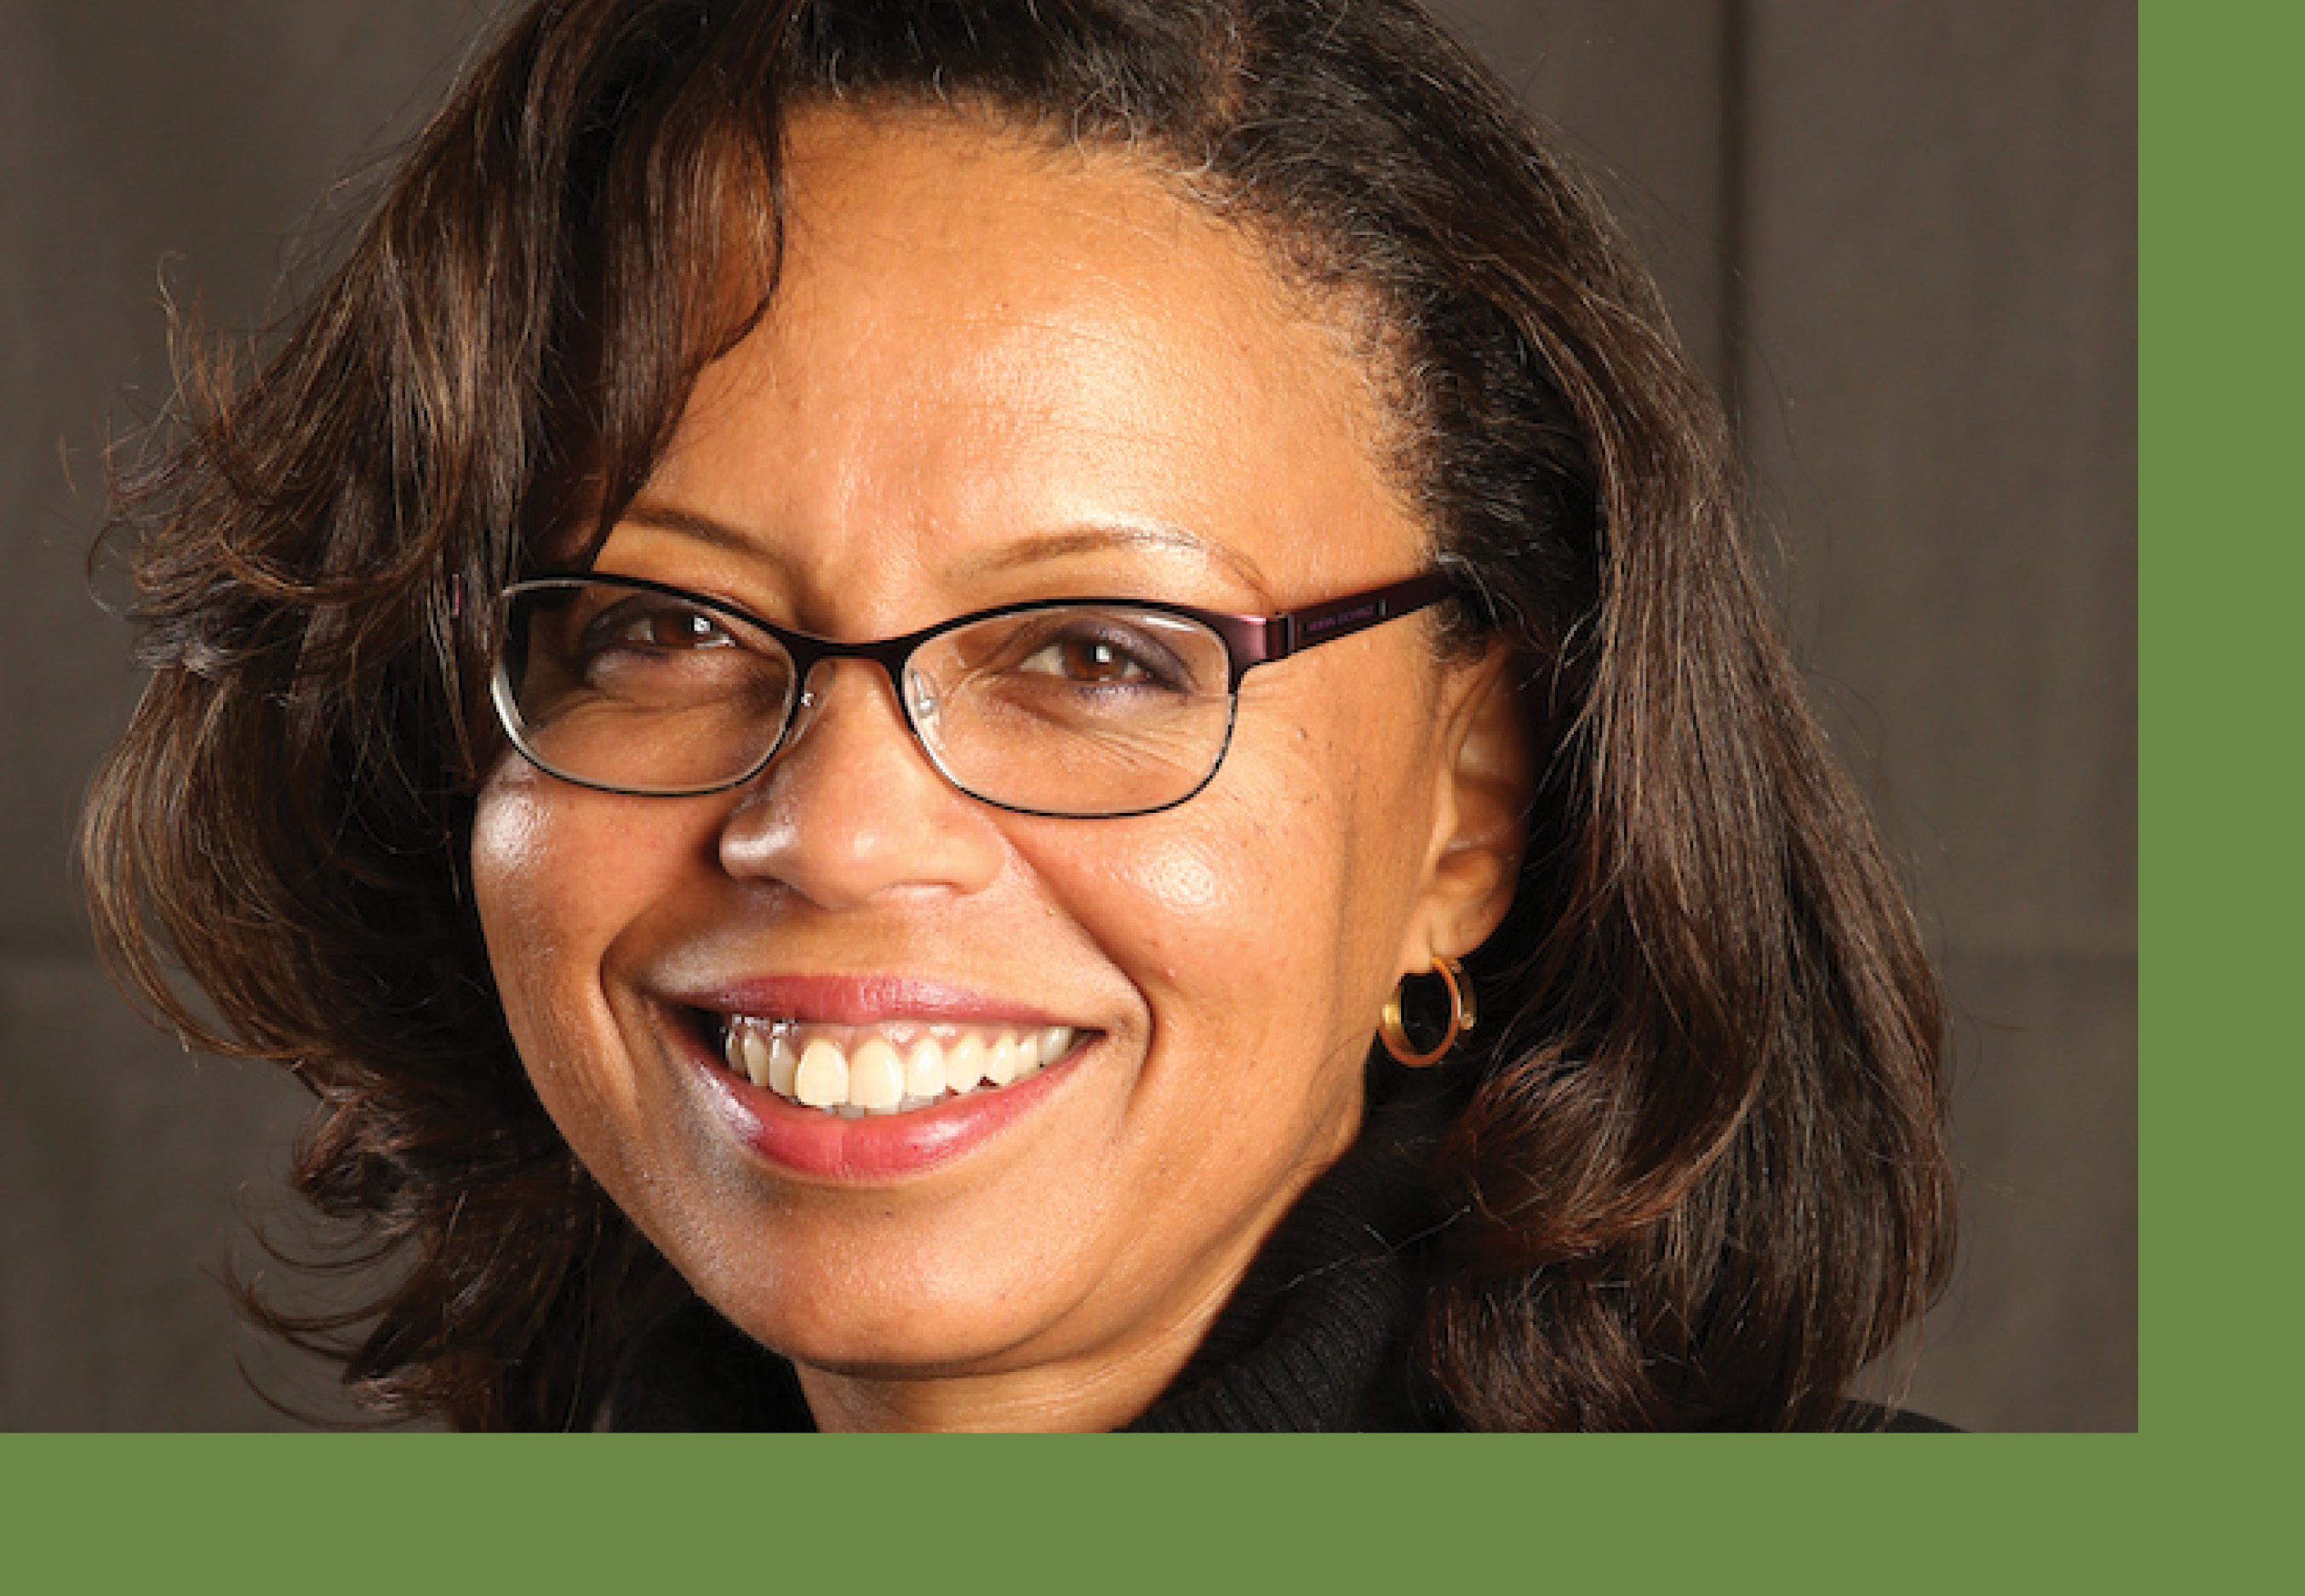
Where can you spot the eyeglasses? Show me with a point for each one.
(1078, 708)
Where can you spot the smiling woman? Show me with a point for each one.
(832, 688)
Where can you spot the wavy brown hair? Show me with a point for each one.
(1700, 1179)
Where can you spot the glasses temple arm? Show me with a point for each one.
(1301, 629)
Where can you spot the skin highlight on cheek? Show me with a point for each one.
(1181, 881)
(523, 845)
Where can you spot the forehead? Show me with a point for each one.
(978, 335)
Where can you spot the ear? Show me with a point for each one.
(1480, 820)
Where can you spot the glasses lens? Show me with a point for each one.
(1075, 709)
(637, 690)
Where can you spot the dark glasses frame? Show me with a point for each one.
(1249, 641)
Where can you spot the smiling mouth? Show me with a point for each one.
(892, 1066)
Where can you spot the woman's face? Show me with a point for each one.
(996, 372)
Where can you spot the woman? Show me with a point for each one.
(836, 692)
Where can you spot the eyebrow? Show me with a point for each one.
(1038, 549)
(689, 523)
(1105, 539)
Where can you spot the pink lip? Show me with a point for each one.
(863, 1000)
(877, 1147)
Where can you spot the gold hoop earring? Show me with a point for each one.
(1395, 1036)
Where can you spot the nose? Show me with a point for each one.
(850, 810)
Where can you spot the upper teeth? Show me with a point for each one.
(885, 1069)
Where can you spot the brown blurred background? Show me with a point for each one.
(1900, 236)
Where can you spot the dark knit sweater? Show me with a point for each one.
(1315, 1339)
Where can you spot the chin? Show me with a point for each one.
(893, 1317)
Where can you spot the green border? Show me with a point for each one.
(416, 1512)
(2221, 271)
(2189, 1500)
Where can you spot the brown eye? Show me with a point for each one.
(651, 632)
(1097, 649)
(653, 624)
(1091, 659)
(678, 629)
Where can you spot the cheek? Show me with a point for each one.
(1161, 903)
(528, 888)
(1226, 913)
(554, 883)
(511, 867)
(560, 872)
(1292, 885)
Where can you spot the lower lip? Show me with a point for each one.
(874, 1146)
